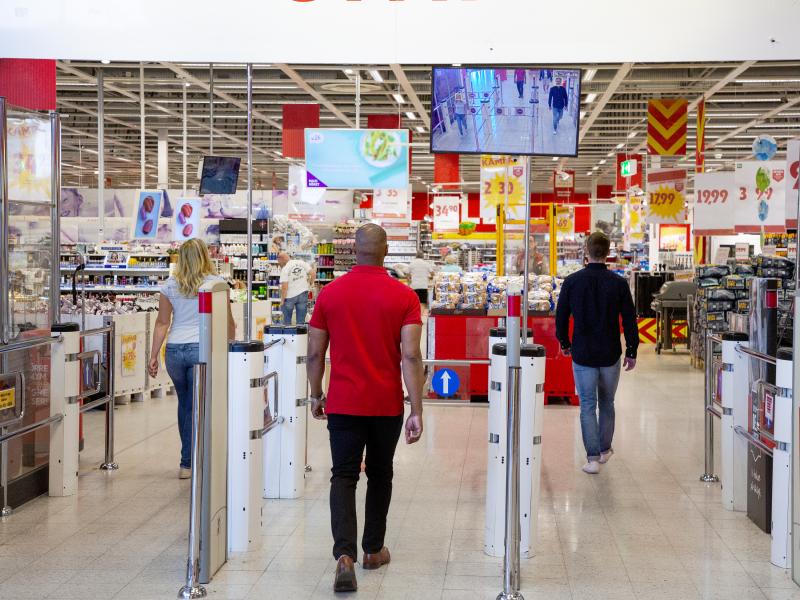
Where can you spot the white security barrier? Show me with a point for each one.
(781, 550)
(245, 447)
(64, 401)
(532, 361)
(735, 409)
(285, 349)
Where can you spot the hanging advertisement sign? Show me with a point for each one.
(714, 197)
(357, 158)
(564, 183)
(390, 204)
(792, 181)
(29, 160)
(667, 126)
(565, 221)
(187, 220)
(446, 212)
(504, 182)
(299, 192)
(633, 223)
(761, 196)
(666, 202)
(147, 211)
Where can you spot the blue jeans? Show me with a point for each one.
(180, 360)
(596, 385)
(462, 123)
(557, 114)
(299, 302)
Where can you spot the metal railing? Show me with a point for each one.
(709, 412)
(193, 589)
(757, 355)
(753, 439)
(277, 419)
(455, 362)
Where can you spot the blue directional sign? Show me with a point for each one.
(445, 382)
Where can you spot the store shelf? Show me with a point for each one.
(117, 269)
(114, 288)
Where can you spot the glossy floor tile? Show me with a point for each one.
(645, 528)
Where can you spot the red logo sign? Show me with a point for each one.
(777, 174)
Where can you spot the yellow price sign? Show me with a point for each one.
(503, 183)
(565, 220)
(8, 399)
(129, 354)
(666, 204)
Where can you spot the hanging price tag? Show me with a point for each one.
(760, 196)
(714, 195)
(390, 204)
(792, 189)
(665, 196)
(446, 213)
(504, 181)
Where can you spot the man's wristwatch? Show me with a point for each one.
(318, 399)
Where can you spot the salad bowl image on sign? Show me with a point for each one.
(760, 196)
(666, 202)
(357, 158)
(147, 211)
(187, 220)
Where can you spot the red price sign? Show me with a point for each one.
(712, 196)
(446, 212)
(714, 203)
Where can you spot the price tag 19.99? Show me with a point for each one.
(714, 198)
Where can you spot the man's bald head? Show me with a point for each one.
(371, 246)
(283, 258)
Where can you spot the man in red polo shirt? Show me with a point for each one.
(373, 325)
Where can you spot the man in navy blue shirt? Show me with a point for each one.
(596, 298)
(557, 101)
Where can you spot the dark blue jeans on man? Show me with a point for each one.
(180, 360)
(298, 303)
(596, 387)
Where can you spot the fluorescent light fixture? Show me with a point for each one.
(399, 98)
(589, 75)
(718, 155)
(602, 162)
(555, 158)
(105, 61)
(456, 64)
(411, 116)
(348, 71)
(632, 134)
(594, 168)
(376, 75)
(590, 98)
(589, 173)
(583, 113)
(767, 80)
(187, 84)
(620, 145)
(610, 154)
(743, 100)
(420, 128)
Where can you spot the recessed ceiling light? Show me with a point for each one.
(632, 134)
(411, 116)
(718, 155)
(602, 162)
(420, 128)
(399, 98)
(620, 145)
(610, 154)
(590, 97)
(555, 158)
(348, 71)
(187, 84)
(594, 168)
(376, 75)
(589, 75)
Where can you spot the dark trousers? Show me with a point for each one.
(349, 437)
(520, 87)
(422, 295)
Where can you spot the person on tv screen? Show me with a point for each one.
(460, 102)
(519, 79)
(557, 102)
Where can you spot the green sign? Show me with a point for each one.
(627, 168)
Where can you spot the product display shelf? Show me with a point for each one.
(344, 246)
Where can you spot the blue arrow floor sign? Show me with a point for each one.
(445, 382)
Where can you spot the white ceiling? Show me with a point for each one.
(742, 101)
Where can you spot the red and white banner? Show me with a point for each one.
(446, 212)
(761, 196)
(714, 202)
(792, 181)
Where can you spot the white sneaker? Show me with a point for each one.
(606, 456)
(592, 467)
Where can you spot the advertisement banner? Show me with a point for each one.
(446, 212)
(390, 204)
(298, 187)
(504, 182)
(187, 219)
(666, 202)
(128, 354)
(633, 223)
(792, 181)
(761, 196)
(147, 211)
(357, 158)
(564, 183)
(714, 198)
(667, 126)
(565, 221)
(29, 160)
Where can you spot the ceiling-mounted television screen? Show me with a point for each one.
(491, 110)
(220, 175)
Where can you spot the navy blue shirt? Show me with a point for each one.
(595, 298)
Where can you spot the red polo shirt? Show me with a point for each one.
(363, 313)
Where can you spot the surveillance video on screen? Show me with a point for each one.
(505, 111)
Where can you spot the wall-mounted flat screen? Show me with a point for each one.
(490, 110)
(220, 175)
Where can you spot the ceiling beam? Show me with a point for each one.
(757, 121)
(411, 93)
(302, 84)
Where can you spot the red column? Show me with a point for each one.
(446, 169)
(28, 83)
(296, 119)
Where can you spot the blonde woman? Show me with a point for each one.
(179, 322)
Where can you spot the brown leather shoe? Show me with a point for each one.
(345, 580)
(376, 561)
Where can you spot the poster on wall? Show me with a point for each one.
(714, 197)
(674, 237)
(504, 182)
(147, 212)
(792, 181)
(29, 160)
(760, 196)
(666, 202)
(128, 354)
(390, 204)
(187, 219)
(357, 158)
(446, 212)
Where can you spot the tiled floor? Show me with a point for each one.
(645, 528)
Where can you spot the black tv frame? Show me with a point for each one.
(202, 170)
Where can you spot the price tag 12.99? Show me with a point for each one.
(714, 198)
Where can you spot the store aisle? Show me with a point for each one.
(644, 528)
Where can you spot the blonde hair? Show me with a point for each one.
(451, 259)
(194, 264)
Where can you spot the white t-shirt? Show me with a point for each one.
(420, 270)
(185, 328)
(295, 273)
